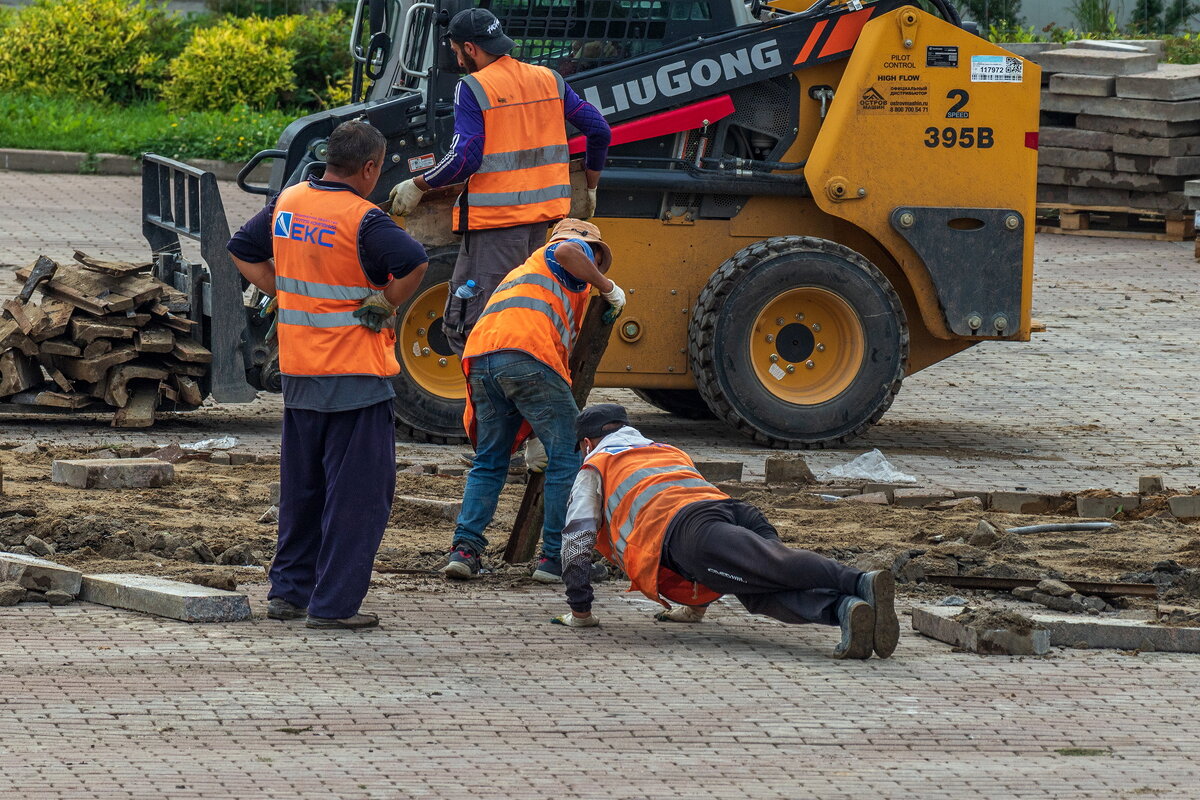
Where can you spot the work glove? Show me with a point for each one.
(269, 310)
(681, 614)
(536, 459)
(589, 205)
(374, 311)
(616, 302)
(572, 621)
(405, 197)
(583, 204)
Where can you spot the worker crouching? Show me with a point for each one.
(680, 539)
(518, 380)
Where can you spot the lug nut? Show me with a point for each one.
(791, 368)
(431, 314)
(907, 219)
(420, 331)
(424, 351)
(441, 362)
(774, 358)
(779, 320)
(820, 348)
(799, 318)
(770, 338)
(809, 364)
(816, 326)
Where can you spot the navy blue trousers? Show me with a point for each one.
(337, 479)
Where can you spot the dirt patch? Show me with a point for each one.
(994, 619)
(204, 527)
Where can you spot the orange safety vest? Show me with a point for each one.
(643, 488)
(320, 282)
(525, 175)
(532, 312)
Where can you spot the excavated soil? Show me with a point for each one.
(211, 512)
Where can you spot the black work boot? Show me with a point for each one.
(879, 589)
(349, 623)
(858, 628)
(278, 608)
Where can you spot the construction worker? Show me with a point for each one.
(510, 141)
(518, 379)
(682, 540)
(337, 266)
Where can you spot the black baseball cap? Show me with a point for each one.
(591, 421)
(480, 27)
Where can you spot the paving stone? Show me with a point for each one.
(165, 598)
(221, 457)
(1170, 82)
(1022, 502)
(111, 164)
(887, 488)
(1030, 50)
(1154, 146)
(938, 622)
(1024, 592)
(172, 453)
(274, 487)
(1104, 507)
(1157, 110)
(1126, 126)
(113, 473)
(37, 573)
(238, 458)
(452, 470)
(1177, 166)
(1065, 604)
(871, 498)
(1119, 634)
(1150, 201)
(56, 597)
(1129, 181)
(42, 160)
(448, 509)
(1150, 484)
(1056, 588)
(1086, 85)
(1192, 188)
(788, 469)
(38, 547)
(1184, 506)
(1077, 159)
(11, 593)
(918, 497)
(715, 471)
(1074, 138)
(985, 534)
(1154, 46)
(1078, 61)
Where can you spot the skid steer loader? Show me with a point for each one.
(807, 201)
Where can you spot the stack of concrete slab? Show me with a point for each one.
(1119, 130)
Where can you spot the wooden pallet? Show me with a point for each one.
(1115, 222)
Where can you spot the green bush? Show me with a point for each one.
(226, 66)
(293, 60)
(92, 49)
(56, 123)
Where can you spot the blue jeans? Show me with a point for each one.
(506, 387)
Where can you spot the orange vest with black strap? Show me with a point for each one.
(643, 488)
(532, 312)
(525, 175)
(320, 282)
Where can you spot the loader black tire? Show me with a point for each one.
(682, 403)
(422, 413)
(727, 353)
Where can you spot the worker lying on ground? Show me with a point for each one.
(516, 362)
(681, 539)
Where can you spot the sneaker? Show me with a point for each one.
(858, 628)
(463, 563)
(349, 623)
(549, 570)
(879, 589)
(278, 608)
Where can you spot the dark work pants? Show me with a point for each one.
(337, 479)
(731, 548)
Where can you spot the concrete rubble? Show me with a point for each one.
(984, 631)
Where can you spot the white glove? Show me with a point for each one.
(572, 621)
(536, 459)
(681, 614)
(405, 197)
(616, 298)
(589, 205)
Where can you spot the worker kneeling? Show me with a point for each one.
(518, 378)
(681, 539)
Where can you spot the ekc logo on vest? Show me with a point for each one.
(303, 228)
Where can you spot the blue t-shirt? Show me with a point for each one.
(565, 278)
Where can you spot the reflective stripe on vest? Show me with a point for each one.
(323, 291)
(645, 497)
(551, 284)
(564, 334)
(519, 198)
(309, 319)
(522, 159)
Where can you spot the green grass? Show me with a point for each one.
(1083, 751)
(34, 122)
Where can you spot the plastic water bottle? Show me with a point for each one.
(466, 291)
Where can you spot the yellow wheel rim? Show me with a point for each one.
(424, 352)
(807, 345)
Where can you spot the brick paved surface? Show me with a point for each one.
(471, 694)
(1107, 394)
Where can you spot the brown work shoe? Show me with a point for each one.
(349, 623)
(858, 628)
(278, 608)
(879, 589)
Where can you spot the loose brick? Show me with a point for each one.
(274, 488)
(113, 473)
(187, 602)
(1086, 85)
(448, 509)
(1104, 507)
(39, 574)
(788, 469)
(919, 497)
(871, 498)
(938, 622)
(1185, 506)
(1171, 82)
(714, 471)
(1150, 484)
(1022, 502)
(1078, 61)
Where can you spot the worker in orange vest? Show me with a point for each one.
(510, 145)
(645, 507)
(337, 267)
(518, 380)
